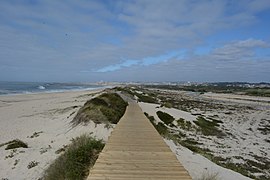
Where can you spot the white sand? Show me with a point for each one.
(51, 113)
(198, 166)
(254, 100)
(176, 113)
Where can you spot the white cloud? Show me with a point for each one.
(226, 63)
(76, 36)
(238, 50)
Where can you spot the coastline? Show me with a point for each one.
(42, 120)
(57, 91)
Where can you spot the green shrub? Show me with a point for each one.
(258, 92)
(76, 161)
(160, 127)
(193, 146)
(186, 125)
(108, 107)
(32, 164)
(16, 144)
(98, 102)
(208, 127)
(111, 115)
(165, 117)
(116, 107)
(147, 99)
(168, 105)
(151, 118)
(151, 98)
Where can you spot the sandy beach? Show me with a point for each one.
(43, 122)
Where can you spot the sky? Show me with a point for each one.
(135, 40)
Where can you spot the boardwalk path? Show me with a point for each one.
(135, 150)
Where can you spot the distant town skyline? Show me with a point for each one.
(140, 40)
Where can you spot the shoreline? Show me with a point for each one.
(57, 91)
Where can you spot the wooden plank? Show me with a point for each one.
(135, 150)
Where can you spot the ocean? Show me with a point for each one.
(41, 87)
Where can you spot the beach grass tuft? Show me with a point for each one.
(165, 117)
(32, 164)
(15, 144)
(208, 128)
(75, 163)
(160, 127)
(145, 96)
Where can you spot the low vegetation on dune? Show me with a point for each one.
(165, 117)
(76, 161)
(185, 125)
(258, 92)
(147, 97)
(160, 127)
(217, 88)
(106, 108)
(204, 126)
(214, 132)
(166, 99)
(209, 128)
(16, 143)
(213, 122)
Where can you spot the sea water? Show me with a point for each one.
(40, 87)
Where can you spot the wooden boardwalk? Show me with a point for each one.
(135, 150)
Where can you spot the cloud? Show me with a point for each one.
(217, 65)
(115, 67)
(101, 37)
(143, 62)
(257, 5)
(244, 49)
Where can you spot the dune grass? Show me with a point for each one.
(160, 127)
(76, 161)
(165, 117)
(265, 92)
(16, 143)
(185, 125)
(106, 108)
(145, 98)
(209, 128)
(142, 97)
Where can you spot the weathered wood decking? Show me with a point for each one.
(135, 150)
